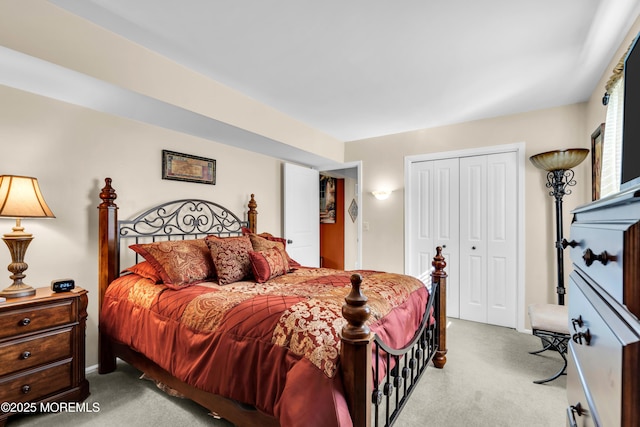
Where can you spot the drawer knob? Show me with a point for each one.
(25, 321)
(25, 355)
(577, 323)
(26, 388)
(566, 243)
(589, 257)
(572, 411)
(580, 336)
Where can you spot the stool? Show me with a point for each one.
(550, 322)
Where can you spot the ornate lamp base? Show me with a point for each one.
(17, 241)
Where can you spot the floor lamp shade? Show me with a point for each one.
(558, 165)
(20, 197)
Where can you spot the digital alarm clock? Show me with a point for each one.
(62, 285)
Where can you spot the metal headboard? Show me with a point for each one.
(176, 220)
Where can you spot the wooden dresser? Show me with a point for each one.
(603, 384)
(42, 350)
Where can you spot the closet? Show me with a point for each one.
(469, 206)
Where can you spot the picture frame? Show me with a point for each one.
(187, 167)
(597, 142)
(353, 210)
(328, 202)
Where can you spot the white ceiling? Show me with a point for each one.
(363, 68)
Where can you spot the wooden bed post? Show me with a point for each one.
(355, 354)
(108, 261)
(252, 215)
(440, 276)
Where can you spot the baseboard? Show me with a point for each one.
(90, 369)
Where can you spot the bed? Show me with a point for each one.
(272, 344)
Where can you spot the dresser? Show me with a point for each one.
(603, 383)
(42, 350)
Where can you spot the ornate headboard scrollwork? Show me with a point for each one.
(182, 218)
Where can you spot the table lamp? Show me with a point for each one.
(20, 197)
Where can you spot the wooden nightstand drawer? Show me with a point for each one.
(33, 385)
(42, 348)
(37, 350)
(36, 317)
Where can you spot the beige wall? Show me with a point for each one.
(544, 130)
(41, 29)
(72, 149)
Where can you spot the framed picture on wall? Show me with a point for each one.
(186, 167)
(327, 199)
(597, 141)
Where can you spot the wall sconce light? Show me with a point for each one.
(381, 194)
(20, 197)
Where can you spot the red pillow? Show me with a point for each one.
(292, 263)
(267, 264)
(146, 270)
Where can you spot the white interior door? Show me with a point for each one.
(501, 239)
(488, 239)
(433, 220)
(473, 232)
(301, 207)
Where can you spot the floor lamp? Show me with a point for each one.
(558, 164)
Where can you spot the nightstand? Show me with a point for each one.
(42, 348)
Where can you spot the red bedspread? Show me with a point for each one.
(273, 345)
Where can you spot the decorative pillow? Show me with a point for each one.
(145, 269)
(179, 263)
(230, 256)
(260, 244)
(268, 264)
(271, 238)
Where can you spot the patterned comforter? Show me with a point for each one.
(273, 345)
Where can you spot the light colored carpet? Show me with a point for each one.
(487, 381)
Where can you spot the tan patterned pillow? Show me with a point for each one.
(268, 264)
(179, 263)
(260, 244)
(230, 256)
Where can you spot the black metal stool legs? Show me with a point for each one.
(552, 341)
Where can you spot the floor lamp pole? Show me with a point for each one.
(558, 165)
(558, 180)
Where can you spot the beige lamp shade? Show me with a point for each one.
(559, 159)
(20, 197)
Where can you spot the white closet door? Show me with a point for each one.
(473, 242)
(433, 221)
(501, 239)
(488, 215)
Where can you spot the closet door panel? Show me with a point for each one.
(501, 239)
(473, 232)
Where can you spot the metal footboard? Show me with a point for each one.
(404, 367)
